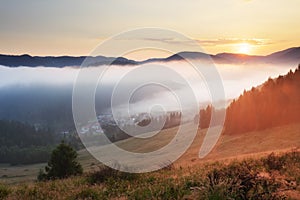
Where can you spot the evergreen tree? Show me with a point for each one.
(62, 163)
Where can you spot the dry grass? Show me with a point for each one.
(273, 177)
(229, 147)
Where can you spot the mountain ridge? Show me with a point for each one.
(287, 56)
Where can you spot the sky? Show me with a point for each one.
(76, 27)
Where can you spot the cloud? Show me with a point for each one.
(171, 40)
(232, 41)
(211, 42)
(166, 40)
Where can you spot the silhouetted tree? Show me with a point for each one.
(62, 163)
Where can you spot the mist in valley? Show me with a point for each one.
(44, 95)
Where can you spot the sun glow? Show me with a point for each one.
(244, 48)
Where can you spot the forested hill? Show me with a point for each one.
(15, 133)
(275, 103)
(22, 144)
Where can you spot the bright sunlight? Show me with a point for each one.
(244, 48)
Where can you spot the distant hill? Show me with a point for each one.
(275, 103)
(232, 58)
(61, 61)
(289, 56)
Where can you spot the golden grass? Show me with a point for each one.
(253, 144)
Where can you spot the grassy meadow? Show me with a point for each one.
(276, 176)
(239, 167)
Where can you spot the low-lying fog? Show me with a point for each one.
(33, 94)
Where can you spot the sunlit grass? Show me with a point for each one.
(264, 178)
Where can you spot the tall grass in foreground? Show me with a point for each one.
(271, 177)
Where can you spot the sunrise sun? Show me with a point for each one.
(244, 48)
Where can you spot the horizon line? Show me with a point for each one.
(66, 55)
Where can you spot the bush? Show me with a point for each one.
(62, 163)
(239, 181)
(4, 191)
(273, 162)
(42, 175)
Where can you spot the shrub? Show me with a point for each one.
(239, 181)
(42, 176)
(273, 162)
(62, 163)
(4, 191)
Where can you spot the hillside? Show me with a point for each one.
(275, 103)
(242, 156)
(24, 144)
(229, 147)
(60, 61)
(206, 182)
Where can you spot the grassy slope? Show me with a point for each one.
(271, 178)
(246, 145)
(229, 146)
(251, 144)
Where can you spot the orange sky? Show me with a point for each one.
(76, 27)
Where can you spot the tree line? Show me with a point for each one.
(22, 143)
(274, 103)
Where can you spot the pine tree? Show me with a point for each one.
(62, 163)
